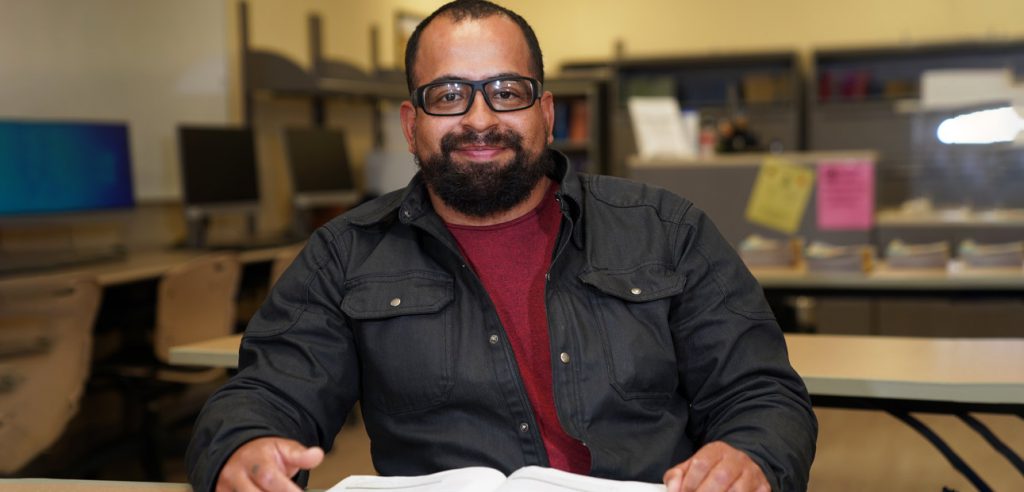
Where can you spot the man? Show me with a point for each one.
(504, 311)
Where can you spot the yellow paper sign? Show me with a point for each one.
(780, 195)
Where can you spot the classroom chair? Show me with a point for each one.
(196, 301)
(45, 355)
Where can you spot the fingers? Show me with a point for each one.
(295, 456)
(267, 464)
(674, 476)
(272, 478)
(704, 474)
(750, 481)
(716, 467)
(235, 479)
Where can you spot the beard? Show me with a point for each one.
(482, 189)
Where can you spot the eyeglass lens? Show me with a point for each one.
(455, 97)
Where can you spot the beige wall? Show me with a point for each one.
(587, 29)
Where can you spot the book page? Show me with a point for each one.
(539, 479)
(471, 479)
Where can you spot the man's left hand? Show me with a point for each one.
(716, 467)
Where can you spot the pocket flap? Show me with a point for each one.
(641, 284)
(402, 294)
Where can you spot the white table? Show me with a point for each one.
(895, 374)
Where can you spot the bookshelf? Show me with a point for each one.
(580, 131)
(269, 74)
(766, 87)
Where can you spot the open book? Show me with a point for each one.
(481, 479)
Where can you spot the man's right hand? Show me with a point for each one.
(267, 464)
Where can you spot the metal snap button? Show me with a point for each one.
(395, 302)
(493, 339)
(635, 291)
(564, 357)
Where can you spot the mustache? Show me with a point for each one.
(507, 138)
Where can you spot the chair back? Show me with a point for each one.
(196, 301)
(45, 355)
(282, 260)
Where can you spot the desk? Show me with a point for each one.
(888, 281)
(895, 374)
(144, 265)
(903, 375)
(216, 352)
(57, 485)
(887, 301)
(964, 370)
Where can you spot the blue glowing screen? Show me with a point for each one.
(61, 167)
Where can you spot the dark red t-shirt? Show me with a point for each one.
(511, 260)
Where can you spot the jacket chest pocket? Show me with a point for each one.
(632, 309)
(404, 332)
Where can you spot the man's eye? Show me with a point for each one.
(447, 97)
(506, 94)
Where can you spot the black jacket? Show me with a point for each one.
(669, 339)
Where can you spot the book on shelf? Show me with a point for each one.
(820, 256)
(579, 116)
(483, 479)
(997, 255)
(561, 127)
(899, 254)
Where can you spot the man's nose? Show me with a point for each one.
(479, 117)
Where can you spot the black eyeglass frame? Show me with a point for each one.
(477, 85)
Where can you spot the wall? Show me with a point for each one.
(58, 56)
(588, 29)
(152, 64)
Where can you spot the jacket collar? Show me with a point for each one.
(412, 202)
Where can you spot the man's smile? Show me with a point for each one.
(479, 152)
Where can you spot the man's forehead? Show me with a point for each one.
(471, 48)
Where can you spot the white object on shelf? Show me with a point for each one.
(660, 128)
(956, 88)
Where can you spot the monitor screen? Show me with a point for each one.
(218, 166)
(318, 159)
(55, 167)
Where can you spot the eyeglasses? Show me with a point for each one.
(454, 97)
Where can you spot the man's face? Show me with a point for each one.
(478, 163)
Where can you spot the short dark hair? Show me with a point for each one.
(459, 10)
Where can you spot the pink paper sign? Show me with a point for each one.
(846, 194)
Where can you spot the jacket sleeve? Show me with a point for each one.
(298, 372)
(733, 360)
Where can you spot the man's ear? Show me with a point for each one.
(408, 115)
(547, 106)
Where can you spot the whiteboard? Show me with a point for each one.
(154, 64)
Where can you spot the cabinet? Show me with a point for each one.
(869, 98)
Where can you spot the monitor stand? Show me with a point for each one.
(198, 227)
(308, 208)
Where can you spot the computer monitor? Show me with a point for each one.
(219, 175)
(319, 163)
(56, 174)
(218, 168)
(56, 168)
